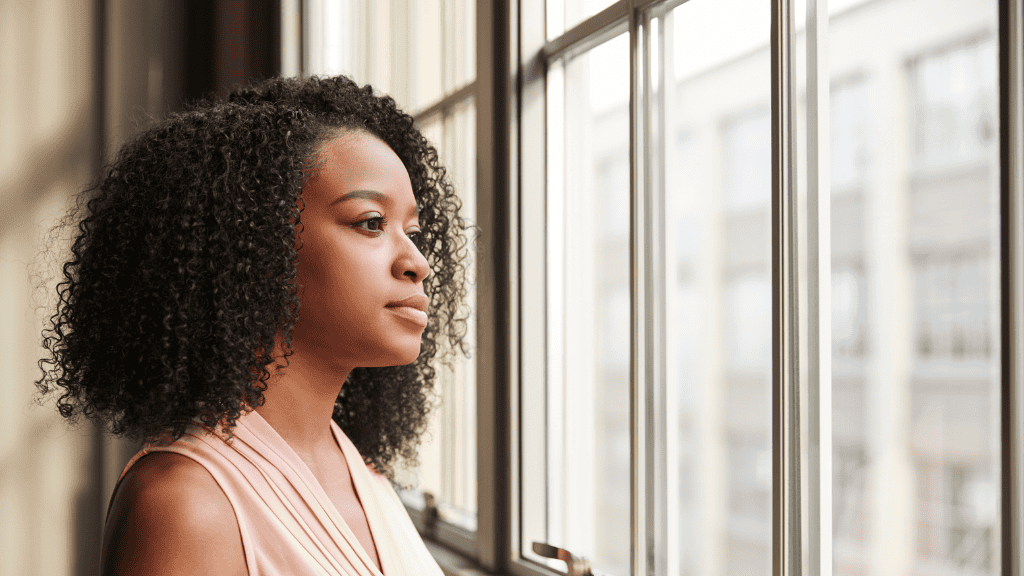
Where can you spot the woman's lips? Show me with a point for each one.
(416, 316)
(418, 301)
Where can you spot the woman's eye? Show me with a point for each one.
(374, 224)
(416, 235)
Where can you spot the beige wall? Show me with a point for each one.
(54, 117)
(47, 129)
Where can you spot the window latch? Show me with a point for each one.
(577, 565)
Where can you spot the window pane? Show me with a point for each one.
(915, 315)
(459, 408)
(417, 51)
(425, 57)
(717, 187)
(336, 19)
(448, 453)
(586, 449)
(564, 14)
(441, 48)
(459, 43)
(337, 36)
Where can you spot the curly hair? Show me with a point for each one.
(183, 270)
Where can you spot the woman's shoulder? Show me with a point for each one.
(169, 516)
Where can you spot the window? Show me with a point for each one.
(712, 469)
(913, 225)
(742, 306)
(577, 450)
(424, 56)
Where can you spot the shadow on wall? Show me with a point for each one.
(77, 78)
(48, 149)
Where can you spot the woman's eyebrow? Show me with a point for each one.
(362, 194)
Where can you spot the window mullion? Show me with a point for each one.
(786, 499)
(666, 395)
(593, 30)
(496, 249)
(527, 237)
(1011, 49)
(642, 377)
(448, 102)
(291, 38)
(818, 419)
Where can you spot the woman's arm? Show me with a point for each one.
(169, 517)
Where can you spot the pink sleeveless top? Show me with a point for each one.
(288, 524)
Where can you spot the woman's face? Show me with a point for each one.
(360, 273)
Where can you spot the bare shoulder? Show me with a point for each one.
(168, 517)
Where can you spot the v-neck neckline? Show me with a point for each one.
(363, 492)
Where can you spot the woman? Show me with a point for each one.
(258, 290)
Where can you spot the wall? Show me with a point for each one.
(75, 78)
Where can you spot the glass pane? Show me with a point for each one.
(586, 450)
(339, 32)
(441, 50)
(715, 134)
(425, 56)
(915, 319)
(459, 43)
(417, 51)
(564, 14)
(448, 453)
(458, 412)
(339, 39)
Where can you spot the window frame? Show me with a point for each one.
(509, 93)
(794, 500)
(1011, 169)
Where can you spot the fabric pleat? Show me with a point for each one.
(289, 525)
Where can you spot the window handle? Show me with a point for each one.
(577, 565)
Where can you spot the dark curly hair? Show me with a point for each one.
(183, 269)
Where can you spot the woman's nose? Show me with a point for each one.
(410, 262)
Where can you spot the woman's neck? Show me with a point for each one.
(299, 403)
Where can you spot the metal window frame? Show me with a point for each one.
(644, 265)
(292, 37)
(1011, 127)
(526, 201)
(445, 105)
(786, 494)
(666, 553)
(802, 403)
(817, 416)
(496, 335)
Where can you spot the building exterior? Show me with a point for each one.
(914, 240)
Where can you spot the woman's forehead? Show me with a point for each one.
(359, 161)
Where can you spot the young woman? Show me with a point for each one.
(259, 290)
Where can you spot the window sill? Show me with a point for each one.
(451, 547)
(451, 563)
(450, 536)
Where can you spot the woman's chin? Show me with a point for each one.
(397, 356)
(408, 357)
